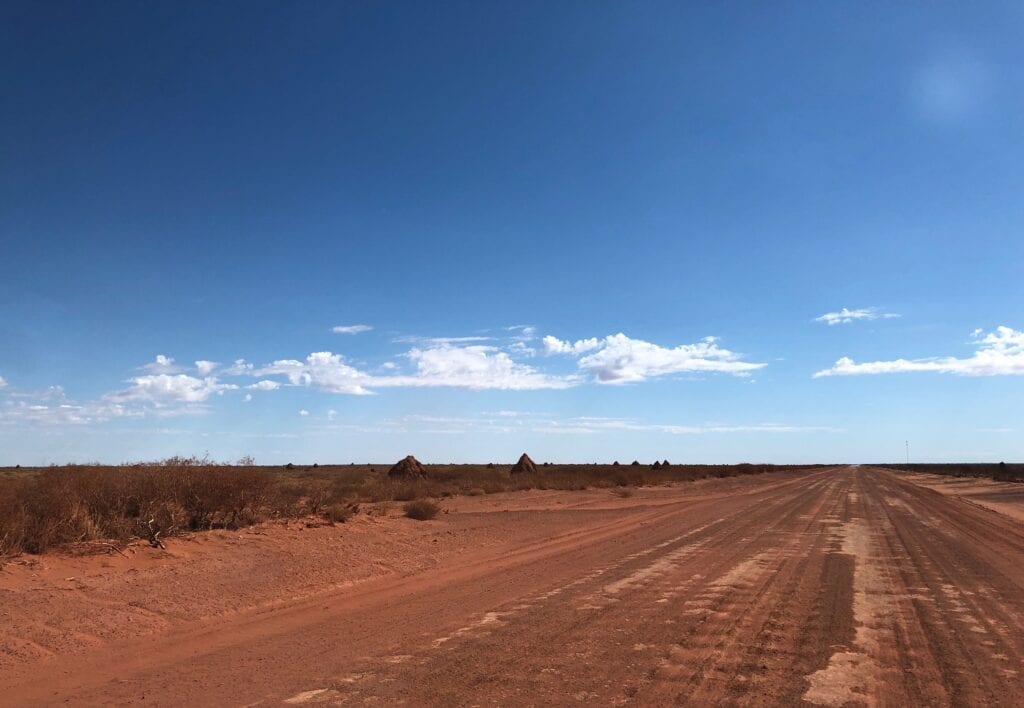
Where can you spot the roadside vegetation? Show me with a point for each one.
(42, 508)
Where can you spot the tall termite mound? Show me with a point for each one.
(406, 468)
(525, 464)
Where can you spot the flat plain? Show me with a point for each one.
(837, 586)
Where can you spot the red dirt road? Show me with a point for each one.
(845, 586)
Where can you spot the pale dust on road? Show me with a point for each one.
(846, 586)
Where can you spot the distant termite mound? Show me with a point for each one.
(525, 464)
(407, 467)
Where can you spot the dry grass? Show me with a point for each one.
(46, 507)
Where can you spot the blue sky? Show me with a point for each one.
(591, 231)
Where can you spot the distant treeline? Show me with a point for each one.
(999, 471)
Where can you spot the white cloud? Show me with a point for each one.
(53, 407)
(205, 368)
(524, 333)
(239, 367)
(846, 316)
(351, 329)
(475, 367)
(3, 382)
(164, 389)
(265, 385)
(323, 370)
(617, 359)
(303, 413)
(248, 397)
(162, 365)
(620, 359)
(521, 348)
(998, 353)
(553, 345)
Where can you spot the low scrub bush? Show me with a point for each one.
(72, 504)
(421, 510)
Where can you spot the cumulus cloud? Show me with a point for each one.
(166, 389)
(265, 385)
(474, 367)
(998, 353)
(303, 413)
(323, 370)
(162, 365)
(239, 367)
(205, 368)
(3, 382)
(621, 359)
(846, 316)
(351, 329)
(160, 394)
(613, 359)
(554, 345)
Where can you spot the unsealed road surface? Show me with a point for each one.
(848, 586)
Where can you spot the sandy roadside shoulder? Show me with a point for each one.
(1004, 497)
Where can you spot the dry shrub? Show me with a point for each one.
(318, 493)
(339, 513)
(74, 504)
(623, 492)
(421, 510)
